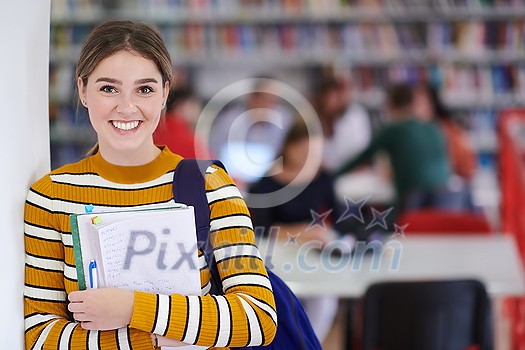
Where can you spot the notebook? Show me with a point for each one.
(145, 250)
(149, 250)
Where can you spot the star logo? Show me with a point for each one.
(354, 209)
(318, 219)
(399, 231)
(292, 239)
(379, 218)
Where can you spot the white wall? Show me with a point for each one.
(24, 144)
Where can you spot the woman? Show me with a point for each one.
(346, 124)
(428, 106)
(123, 77)
(307, 217)
(417, 155)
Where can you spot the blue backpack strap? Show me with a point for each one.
(189, 188)
(294, 330)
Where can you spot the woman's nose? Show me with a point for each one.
(126, 106)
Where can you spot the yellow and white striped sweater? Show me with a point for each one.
(244, 316)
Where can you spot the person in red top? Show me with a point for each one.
(176, 131)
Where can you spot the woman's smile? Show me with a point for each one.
(126, 126)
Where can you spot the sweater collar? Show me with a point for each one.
(163, 163)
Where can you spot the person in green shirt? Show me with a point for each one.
(417, 153)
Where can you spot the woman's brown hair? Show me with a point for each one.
(111, 37)
(298, 131)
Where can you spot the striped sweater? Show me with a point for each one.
(244, 316)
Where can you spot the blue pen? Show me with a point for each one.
(93, 276)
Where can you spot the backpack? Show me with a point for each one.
(294, 330)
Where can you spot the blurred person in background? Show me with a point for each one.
(429, 107)
(295, 218)
(417, 153)
(176, 131)
(247, 136)
(346, 124)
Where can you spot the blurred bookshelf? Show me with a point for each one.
(474, 50)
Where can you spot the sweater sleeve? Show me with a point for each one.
(245, 315)
(48, 324)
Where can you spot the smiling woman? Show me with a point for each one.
(123, 78)
(125, 95)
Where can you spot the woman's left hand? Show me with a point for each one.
(103, 308)
(160, 341)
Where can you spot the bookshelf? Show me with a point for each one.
(473, 49)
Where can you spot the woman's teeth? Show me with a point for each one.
(125, 126)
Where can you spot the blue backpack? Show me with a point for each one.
(294, 330)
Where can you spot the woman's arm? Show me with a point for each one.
(305, 232)
(245, 315)
(367, 153)
(48, 324)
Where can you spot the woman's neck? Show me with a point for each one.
(295, 172)
(131, 157)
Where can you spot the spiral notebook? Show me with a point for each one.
(149, 250)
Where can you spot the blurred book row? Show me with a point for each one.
(320, 42)
(215, 9)
(462, 85)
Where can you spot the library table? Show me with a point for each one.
(309, 271)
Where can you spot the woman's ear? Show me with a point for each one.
(81, 91)
(166, 92)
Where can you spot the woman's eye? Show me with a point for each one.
(108, 88)
(145, 90)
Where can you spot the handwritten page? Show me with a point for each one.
(155, 253)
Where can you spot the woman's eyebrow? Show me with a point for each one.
(118, 82)
(145, 81)
(109, 80)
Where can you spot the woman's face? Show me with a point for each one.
(333, 104)
(421, 106)
(125, 96)
(297, 152)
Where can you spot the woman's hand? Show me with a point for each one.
(315, 233)
(305, 232)
(159, 341)
(102, 309)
